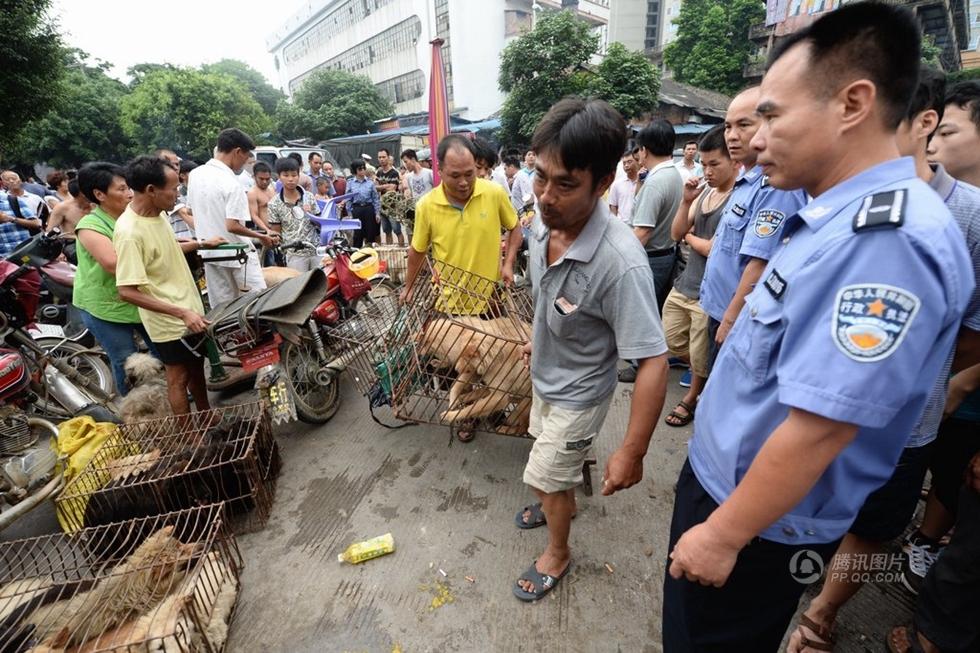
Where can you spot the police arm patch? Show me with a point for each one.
(767, 222)
(871, 320)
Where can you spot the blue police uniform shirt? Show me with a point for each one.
(752, 202)
(364, 192)
(849, 323)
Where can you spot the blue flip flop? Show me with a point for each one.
(537, 517)
(543, 583)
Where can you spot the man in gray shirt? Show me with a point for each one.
(594, 302)
(657, 204)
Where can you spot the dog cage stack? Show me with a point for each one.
(452, 354)
(164, 583)
(158, 466)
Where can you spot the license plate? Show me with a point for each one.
(47, 331)
(267, 354)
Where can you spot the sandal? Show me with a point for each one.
(682, 420)
(465, 436)
(906, 635)
(543, 583)
(537, 517)
(826, 638)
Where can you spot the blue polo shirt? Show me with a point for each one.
(851, 320)
(752, 202)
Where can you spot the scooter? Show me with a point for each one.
(58, 317)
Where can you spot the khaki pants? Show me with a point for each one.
(563, 440)
(228, 283)
(686, 328)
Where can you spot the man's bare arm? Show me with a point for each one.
(750, 277)
(132, 294)
(967, 349)
(643, 234)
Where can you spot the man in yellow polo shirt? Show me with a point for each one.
(461, 221)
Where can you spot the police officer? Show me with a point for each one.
(828, 369)
(749, 228)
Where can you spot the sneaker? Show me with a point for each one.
(685, 381)
(920, 555)
(627, 375)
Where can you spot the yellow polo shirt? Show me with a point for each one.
(468, 239)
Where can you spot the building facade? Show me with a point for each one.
(389, 42)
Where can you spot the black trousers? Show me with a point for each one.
(713, 325)
(370, 228)
(948, 609)
(753, 609)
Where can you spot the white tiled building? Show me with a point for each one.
(388, 41)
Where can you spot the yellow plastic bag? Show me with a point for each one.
(79, 440)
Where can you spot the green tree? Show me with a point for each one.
(85, 125)
(184, 109)
(330, 104)
(627, 80)
(542, 66)
(261, 90)
(712, 44)
(931, 53)
(31, 65)
(138, 72)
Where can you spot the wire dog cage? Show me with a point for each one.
(172, 589)
(396, 258)
(452, 354)
(178, 462)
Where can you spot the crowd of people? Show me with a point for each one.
(812, 262)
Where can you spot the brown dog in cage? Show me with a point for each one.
(487, 357)
(65, 614)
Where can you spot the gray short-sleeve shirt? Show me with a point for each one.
(593, 306)
(658, 201)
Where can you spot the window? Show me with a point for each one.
(404, 87)
(340, 19)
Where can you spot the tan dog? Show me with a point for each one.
(274, 275)
(485, 352)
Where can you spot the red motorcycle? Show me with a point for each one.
(279, 332)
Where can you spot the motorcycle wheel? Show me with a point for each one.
(315, 403)
(83, 359)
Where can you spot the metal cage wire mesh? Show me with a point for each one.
(158, 466)
(451, 355)
(171, 583)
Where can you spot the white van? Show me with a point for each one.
(269, 154)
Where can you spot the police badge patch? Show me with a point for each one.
(767, 222)
(871, 320)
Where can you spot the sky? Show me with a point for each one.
(188, 33)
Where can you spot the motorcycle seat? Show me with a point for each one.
(60, 272)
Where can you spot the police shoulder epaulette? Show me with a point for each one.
(765, 181)
(885, 210)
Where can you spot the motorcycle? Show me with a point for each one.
(36, 382)
(279, 332)
(59, 317)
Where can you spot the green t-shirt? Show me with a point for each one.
(95, 289)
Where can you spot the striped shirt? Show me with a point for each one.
(963, 201)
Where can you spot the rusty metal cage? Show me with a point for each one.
(158, 466)
(163, 583)
(452, 354)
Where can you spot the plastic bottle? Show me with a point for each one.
(373, 548)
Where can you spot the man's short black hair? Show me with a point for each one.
(286, 164)
(98, 175)
(690, 143)
(512, 160)
(658, 138)
(454, 142)
(385, 150)
(485, 152)
(73, 189)
(410, 154)
(313, 154)
(261, 166)
(865, 40)
(929, 94)
(714, 140)
(232, 138)
(357, 165)
(297, 157)
(966, 96)
(186, 165)
(146, 171)
(586, 134)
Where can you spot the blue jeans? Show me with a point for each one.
(117, 340)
